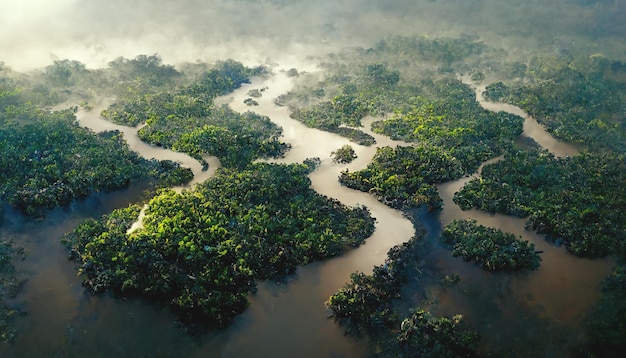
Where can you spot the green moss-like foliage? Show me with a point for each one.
(201, 250)
(492, 249)
(422, 335)
(580, 100)
(443, 51)
(236, 139)
(8, 284)
(452, 119)
(372, 81)
(366, 302)
(403, 177)
(185, 100)
(343, 155)
(365, 306)
(454, 134)
(606, 331)
(577, 200)
(344, 109)
(49, 161)
(185, 119)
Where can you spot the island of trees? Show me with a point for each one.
(492, 249)
(202, 250)
(343, 155)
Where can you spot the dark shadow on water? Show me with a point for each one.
(501, 306)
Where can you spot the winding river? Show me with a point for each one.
(290, 319)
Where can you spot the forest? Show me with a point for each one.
(365, 306)
(199, 251)
(575, 201)
(203, 251)
(49, 160)
(10, 282)
(185, 119)
(452, 133)
(579, 100)
(492, 249)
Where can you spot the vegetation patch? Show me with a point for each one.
(579, 100)
(365, 306)
(492, 249)
(453, 135)
(452, 119)
(8, 285)
(577, 200)
(202, 250)
(605, 324)
(185, 118)
(372, 81)
(343, 155)
(403, 177)
(331, 115)
(49, 160)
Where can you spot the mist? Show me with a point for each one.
(292, 34)
(34, 33)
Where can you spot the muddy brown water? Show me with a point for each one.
(513, 312)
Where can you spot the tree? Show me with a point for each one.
(343, 155)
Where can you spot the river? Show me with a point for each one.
(547, 305)
(289, 318)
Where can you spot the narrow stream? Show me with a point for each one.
(91, 119)
(532, 128)
(290, 319)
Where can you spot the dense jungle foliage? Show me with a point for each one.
(185, 118)
(48, 160)
(492, 249)
(9, 283)
(365, 306)
(452, 133)
(375, 82)
(577, 200)
(579, 100)
(605, 324)
(202, 250)
(452, 118)
(343, 155)
(403, 177)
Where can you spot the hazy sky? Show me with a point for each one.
(35, 32)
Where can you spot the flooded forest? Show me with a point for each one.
(271, 178)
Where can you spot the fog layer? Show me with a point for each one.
(33, 33)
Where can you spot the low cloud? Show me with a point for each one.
(33, 33)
